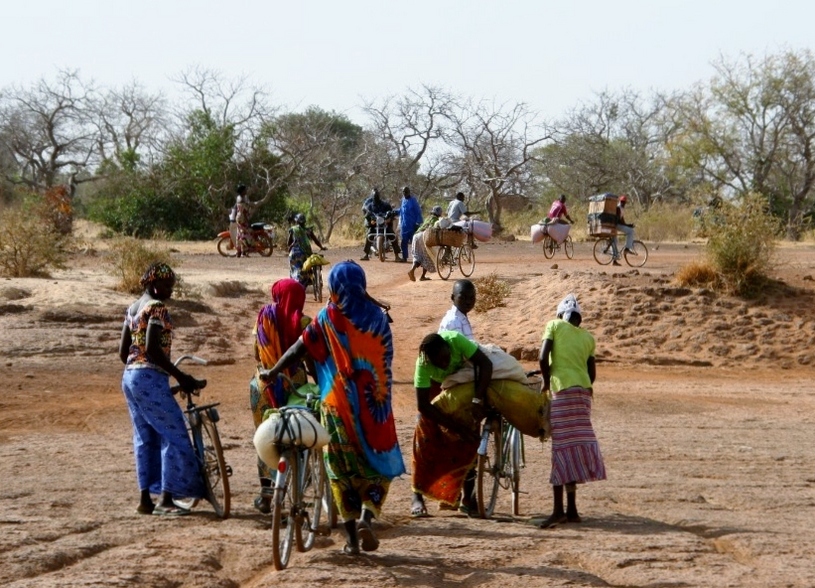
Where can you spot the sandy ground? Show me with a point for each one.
(703, 407)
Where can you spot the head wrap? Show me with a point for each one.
(289, 296)
(346, 287)
(568, 306)
(436, 211)
(157, 271)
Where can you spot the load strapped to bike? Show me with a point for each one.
(314, 259)
(452, 237)
(602, 218)
(558, 231)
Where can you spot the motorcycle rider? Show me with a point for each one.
(372, 207)
(299, 245)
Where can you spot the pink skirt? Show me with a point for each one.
(576, 454)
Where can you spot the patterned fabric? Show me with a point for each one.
(299, 252)
(575, 452)
(350, 342)
(421, 254)
(157, 271)
(244, 229)
(165, 461)
(150, 312)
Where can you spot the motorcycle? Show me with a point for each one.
(381, 233)
(261, 240)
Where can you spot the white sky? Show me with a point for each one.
(551, 55)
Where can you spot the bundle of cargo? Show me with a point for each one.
(434, 237)
(602, 215)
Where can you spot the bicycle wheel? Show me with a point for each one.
(317, 279)
(568, 247)
(265, 246)
(444, 261)
(603, 253)
(488, 472)
(549, 246)
(284, 510)
(216, 472)
(312, 486)
(226, 247)
(466, 260)
(638, 256)
(514, 452)
(380, 245)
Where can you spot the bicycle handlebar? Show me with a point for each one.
(199, 384)
(192, 358)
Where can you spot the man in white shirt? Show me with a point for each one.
(463, 298)
(457, 208)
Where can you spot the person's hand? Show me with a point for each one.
(478, 412)
(323, 248)
(188, 383)
(267, 375)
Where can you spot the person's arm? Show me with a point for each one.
(124, 343)
(314, 238)
(293, 355)
(429, 411)
(157, 356)
(543, 362)
(483, 372)
(591, 367)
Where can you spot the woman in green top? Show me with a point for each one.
(445, 445)
(299, 245)
(568, 368)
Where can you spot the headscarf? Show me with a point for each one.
(436, 211)
(157, 271)
(351, 343)
(288, 296)
(568, 306)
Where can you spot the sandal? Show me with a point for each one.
(419, 512)
(366, 536)
(170, 511)
(552, 521)
(349, 549)
(144, 509)
(263, 504)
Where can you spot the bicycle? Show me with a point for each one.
(301, 494)
(201, 423)
(448, 256)
(604, 252)
(501, 458)
(314, 274)
(550, 246)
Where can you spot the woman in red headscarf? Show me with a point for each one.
(278, 326)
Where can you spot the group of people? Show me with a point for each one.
(348, 350)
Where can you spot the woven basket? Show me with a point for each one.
(438, 237)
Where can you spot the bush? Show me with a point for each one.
(663, 222)
(741, 248)
(28, 245)
(129, 258)
(491, 292)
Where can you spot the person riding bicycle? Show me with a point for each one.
(457, 212)
(558, 211)
(298, 243)
(372, 207)
(626, 228)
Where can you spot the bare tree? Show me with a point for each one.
(492, 149)
(405, 142)
(48, 131)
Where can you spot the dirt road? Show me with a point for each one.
(703, 407)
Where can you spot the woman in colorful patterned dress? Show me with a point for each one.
(277, 328)
(165, 461)
(567, 364)
(351, 345)
(299, 245)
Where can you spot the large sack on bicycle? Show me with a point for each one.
(504, 367)
(314, 259)
(288, 426)
(537, 232)
(558, 231)
(521, 404)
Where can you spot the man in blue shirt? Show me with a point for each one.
(410, 214)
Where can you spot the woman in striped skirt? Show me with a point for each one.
(567, 364)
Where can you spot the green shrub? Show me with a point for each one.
(29, 247)
(491, 292)
(742, 246)
(129, 258)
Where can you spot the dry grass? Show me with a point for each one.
(28, 248)
(129, 258)
(491, 292)
(698, 274)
